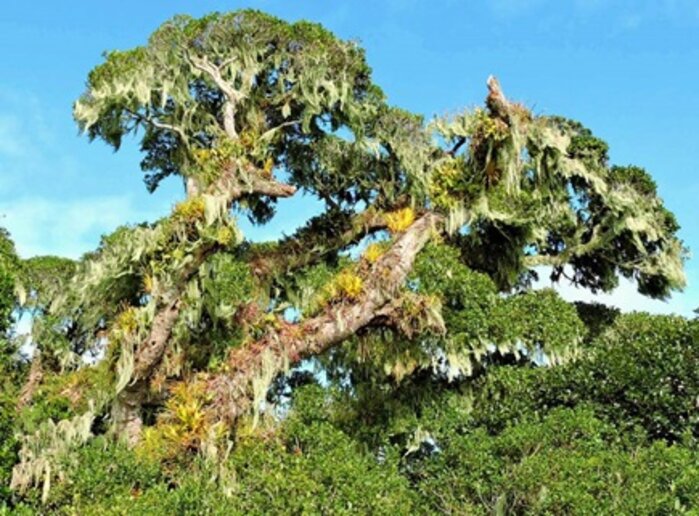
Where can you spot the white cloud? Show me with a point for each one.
(51, 198)
(67, 227)
(624, 297)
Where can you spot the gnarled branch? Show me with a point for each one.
(233, 390)
(232, 95)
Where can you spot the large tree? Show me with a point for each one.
(460, 214)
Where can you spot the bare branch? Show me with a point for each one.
(452, 152)
(232, 95)
(157, 124)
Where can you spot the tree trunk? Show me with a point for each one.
(36, 375)
(126, 408)
(126, 412)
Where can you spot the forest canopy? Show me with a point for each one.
(391, 355)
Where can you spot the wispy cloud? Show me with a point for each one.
(625, 297)
(47, 200)
(11, 143)
(68, 228)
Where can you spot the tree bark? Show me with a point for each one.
(36, 374)
(126, 408)
(233, 390)
(310, 245)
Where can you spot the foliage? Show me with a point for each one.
(596, 317)
(504, 445)
(479, 322)
(562, 464)
(9, 263)
(9, 267)
(450, 384)
(42, 452)
(306, 468)
(42, 278)
(9, 445)
(289, 74)
(639, 373)
(63, 396)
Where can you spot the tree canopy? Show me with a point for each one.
(170, 334)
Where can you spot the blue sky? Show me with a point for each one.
(629, 70)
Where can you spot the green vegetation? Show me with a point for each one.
(591, 436)
(389, 357)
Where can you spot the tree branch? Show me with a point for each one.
(233, 390)
(149, 353)
(452, 152)
(36, 374)
(158, 125)
(496, 101)
(311, 243)
(232, 95)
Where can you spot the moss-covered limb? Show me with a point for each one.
(231, 187)
(236, 181)
(200, 81)
(322, 236)
(234, 389)
(540, 190)
(34, 378)
(142, 357)
(147, 354)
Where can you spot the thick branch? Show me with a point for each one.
(36, 374)
(234, 184)
(233, 390)
(149, 353)
(311, 243)
(496, 101)
(232, 95)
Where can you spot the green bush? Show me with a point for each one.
(8, 445)
(300, 468)
(561, 464)
(610, 433)
(641, 372)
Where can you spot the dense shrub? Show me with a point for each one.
(613, 432)
(8, 444)
(302, 467)
(561, 464)
(641, 372)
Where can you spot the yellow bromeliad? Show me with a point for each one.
(373, 252)
(190, 210)
(348, 284)
(400, 220)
